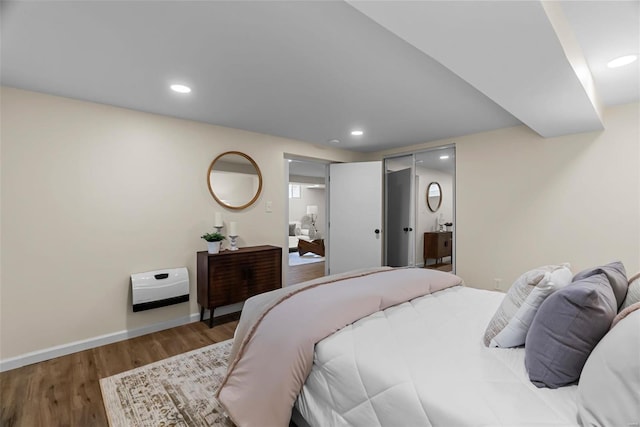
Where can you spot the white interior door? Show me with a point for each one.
(355, 216)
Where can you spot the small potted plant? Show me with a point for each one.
(214, 240)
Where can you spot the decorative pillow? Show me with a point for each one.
(616, 274)
(624, 313)
(304, 231)
(515, 332)
(566, 329)
(517, 294)
(292, 229)
(610, 381)
(633, 292)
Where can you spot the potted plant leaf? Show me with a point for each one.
(214, 240)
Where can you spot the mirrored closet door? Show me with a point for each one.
(420, 209)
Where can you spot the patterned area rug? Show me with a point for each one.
(177, 391)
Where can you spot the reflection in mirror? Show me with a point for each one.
(234, 180)
(434, 196)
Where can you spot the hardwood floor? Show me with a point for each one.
(66, 392)
(304, 272)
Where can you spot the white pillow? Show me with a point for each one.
(304, 231)
(633, 292)
(609, 387)
(517, 294)
(515, 332)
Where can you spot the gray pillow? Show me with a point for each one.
(567, 327)
(292, 229)
(616, 274)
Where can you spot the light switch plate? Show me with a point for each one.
(268, 206)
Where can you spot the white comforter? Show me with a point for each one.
(423, 363)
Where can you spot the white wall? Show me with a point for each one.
(523, 200)
(93, 193)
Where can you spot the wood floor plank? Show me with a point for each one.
(304, 272)
(66, 391)
(86, 399)
(13, 389)
(54, 391)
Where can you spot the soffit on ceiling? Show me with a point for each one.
(310, 71)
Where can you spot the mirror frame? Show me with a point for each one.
(253, 163)
(431, 208)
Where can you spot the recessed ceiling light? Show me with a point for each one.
(357, 133)
(180, 88)
(445, 157)
(334, 141)
(623, 60)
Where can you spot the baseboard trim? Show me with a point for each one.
(76, 346)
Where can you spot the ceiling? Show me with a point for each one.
(307, 168)
(402, 72)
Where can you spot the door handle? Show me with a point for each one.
(410, 229)
(377, 231)
(406, 229)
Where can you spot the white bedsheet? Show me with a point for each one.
(423, 363)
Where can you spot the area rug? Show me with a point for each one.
(177, 391)
(308, 258)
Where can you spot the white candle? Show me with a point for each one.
(218, 221)
(233, 228)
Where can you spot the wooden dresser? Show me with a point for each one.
(230, 277)
(437, 245)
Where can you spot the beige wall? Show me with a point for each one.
(524, 201)
(93, 193)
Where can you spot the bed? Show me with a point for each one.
(390, 347)
(424, 357)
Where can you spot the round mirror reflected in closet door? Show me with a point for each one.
(434, 196)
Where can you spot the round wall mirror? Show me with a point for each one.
(234, 180)
(434, 196)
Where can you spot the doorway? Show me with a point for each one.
(420, 209)
(307, 219)
(399, 219)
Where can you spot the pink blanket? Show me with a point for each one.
(271, 363)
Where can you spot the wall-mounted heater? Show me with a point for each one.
(159, 288)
